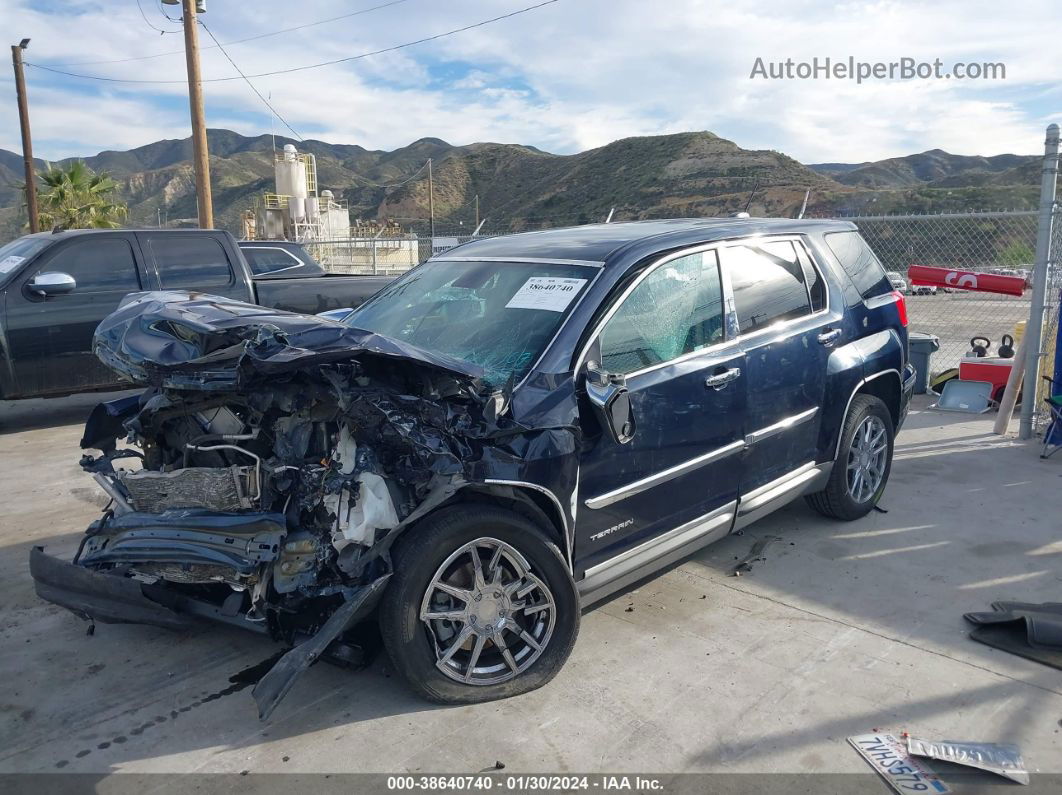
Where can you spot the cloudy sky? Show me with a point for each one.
(571, 75)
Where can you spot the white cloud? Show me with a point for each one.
(569, 76)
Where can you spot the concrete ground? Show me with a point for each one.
(844, 629)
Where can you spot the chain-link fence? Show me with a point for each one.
(981, 242)
(1004, 243)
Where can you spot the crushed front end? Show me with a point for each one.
(262, 477)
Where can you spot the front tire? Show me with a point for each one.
(481, 606)
(864, 462)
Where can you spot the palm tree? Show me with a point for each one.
(76, 197)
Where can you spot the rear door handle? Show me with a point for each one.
(828, 338)
(721, 379)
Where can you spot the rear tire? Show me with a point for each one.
(861, 471)
(526, 600)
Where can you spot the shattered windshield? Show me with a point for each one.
(497, 315)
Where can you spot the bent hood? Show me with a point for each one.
(198, 341)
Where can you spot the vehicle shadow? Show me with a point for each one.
(32, 414)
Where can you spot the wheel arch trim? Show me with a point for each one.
(855, 391)
(561, 517)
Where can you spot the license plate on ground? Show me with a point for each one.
(888, 755)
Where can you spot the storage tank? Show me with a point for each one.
(291, 181)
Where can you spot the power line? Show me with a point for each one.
(415, 174)
(249, 83)
(309, 66)
(163, 12)
(236, 41)
(148, 21)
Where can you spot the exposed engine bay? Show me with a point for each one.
(267, 470)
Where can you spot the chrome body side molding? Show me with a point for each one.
(654, 554)
(778, 427)
(686, 467)
(638, 486)
(771, 496)
(642, 560)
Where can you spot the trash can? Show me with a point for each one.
(922, 347)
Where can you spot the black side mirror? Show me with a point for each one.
(608, 394)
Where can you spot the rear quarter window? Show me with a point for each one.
(191, 262)
(269, 259)
(859, 262)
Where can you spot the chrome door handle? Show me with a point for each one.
(720, 380)
(829, 337)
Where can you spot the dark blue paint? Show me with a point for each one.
(677, 417)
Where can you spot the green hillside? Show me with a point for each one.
(520, 187)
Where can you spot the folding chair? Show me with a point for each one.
(1054, 428)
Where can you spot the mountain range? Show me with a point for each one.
(521, 187)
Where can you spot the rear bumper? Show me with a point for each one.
(107, 598)
(906, 392)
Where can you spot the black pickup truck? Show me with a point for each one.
(55, 288)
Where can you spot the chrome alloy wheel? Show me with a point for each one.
(867, 458)
(488, 616)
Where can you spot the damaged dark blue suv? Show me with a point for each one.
(516, 427)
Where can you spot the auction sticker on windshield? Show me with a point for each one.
(889, 757)
(552, 293)
(10, 263)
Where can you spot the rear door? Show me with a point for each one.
(787, 333)
(51, 337)
(197, 263)
(667, 335)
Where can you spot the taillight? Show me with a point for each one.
(901, 307)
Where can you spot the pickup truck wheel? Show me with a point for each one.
(481, 606)
(864, 461)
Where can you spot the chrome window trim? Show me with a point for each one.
(568, 541)
(589, 263)
(684, 252)
(646, 483)
(734, 338)
(780, 426)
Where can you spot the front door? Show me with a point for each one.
(51, 337)
(668, 337)
(786, 334)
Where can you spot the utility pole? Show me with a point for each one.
(1035, 326)
(477, 211)
(27, 141)
(431, 201)
(195, 103)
